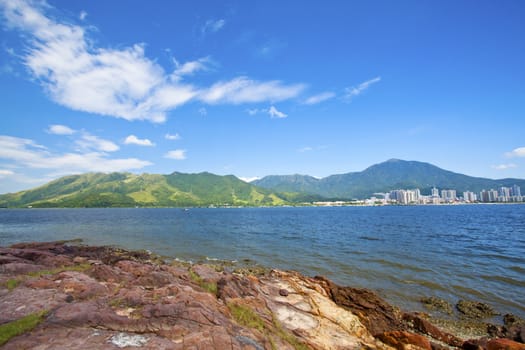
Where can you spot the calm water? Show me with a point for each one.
(472, 252)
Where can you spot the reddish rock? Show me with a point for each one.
(376, 314)
(41, 283)
(504, 344)
(207, 273)
(109, 274)
(80, 285)
(232, 286)
(403, 340)
(421, 325)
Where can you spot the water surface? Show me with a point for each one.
(472, 252)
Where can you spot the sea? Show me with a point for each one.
(454, 252)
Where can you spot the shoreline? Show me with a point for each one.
(114, 291)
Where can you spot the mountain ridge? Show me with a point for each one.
(206, 189)
(384, 177)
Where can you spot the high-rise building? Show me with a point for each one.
(469, 197)
(448, 196)
(435, 192)
(516, 191)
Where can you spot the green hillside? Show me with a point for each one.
(128, 190)
(383, 177)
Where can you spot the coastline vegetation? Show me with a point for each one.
(20, 326)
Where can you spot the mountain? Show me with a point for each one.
(129, 190)
(383, 177)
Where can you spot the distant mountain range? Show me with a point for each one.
(383, 177)
(129, 190)
(205, 189)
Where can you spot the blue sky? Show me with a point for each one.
(258, 88)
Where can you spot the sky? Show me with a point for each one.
(255, 88)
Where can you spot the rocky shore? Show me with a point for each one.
(61, 295)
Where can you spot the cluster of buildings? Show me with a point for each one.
(502, 195)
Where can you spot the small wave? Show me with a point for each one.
(398, 265)
(368, 238)
(221, 260)
(507, 280)
(427, 284)
(519, 269)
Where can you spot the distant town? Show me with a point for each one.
(437, 196)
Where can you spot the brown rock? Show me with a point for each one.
(283, 292)
(504, 344)
(403, 340)
(421, 325)
(376, 314)
(80, 285)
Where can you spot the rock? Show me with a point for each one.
(283, 292)
(474, 309)
(421, 325)
(435, 303)
(403, 340)
(376, 314)
(475, 344)
(134, 299)
(504, 344)
(510, 320)
(123, 340)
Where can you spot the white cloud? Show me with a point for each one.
(312, 100)
(134, 140)
(83, 15)
(249, 179)
(121, 83)
(517, 152)
(189, 68)
(355, 91)
(212, 26)
(5, 173)
(244, 90)
(26, 153)
(306, 149)
(172, 137)
(58, 129)
(178, 154)
(274, 113)
(253, 111)
(203, 111)
(92, 142)
(504, 166)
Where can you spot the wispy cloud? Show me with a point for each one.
(83, 15)
(178, 154)
(6, 173)
(352, 91)
(212, 26)
(305, 149)
(274, 113)
(517, 152)
(134, 140)
(58, 129)
(121, 83)
(203, 111)
(504, 166)
(172, 137)
(95, 143)
(244, 90)
(312, 100)
(27, 153)
(189, 68)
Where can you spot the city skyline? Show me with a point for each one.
(259, 89)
